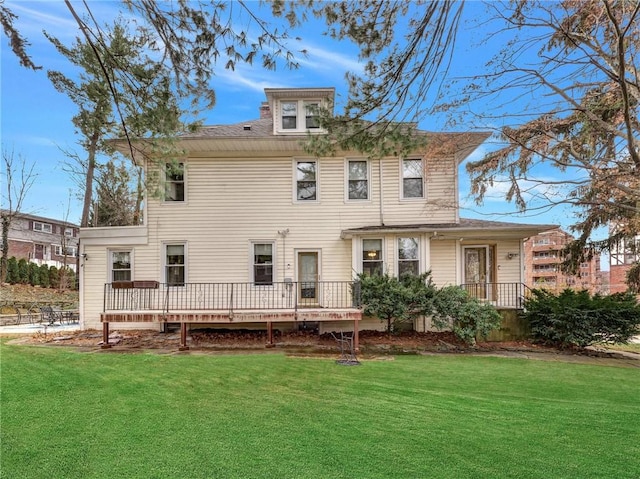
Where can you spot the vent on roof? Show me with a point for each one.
(246, 127)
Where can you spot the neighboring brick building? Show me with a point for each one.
(621, 258)
(543, 257)
(43, 240)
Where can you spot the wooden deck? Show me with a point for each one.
(268, 317)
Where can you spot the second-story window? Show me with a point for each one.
(306, 181)
(175, 264)
(408, 260)
(358, 184)
(372, 256)
(174, 182)
(44, 227)
(412, 179)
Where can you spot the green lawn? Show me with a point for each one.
(67, 414)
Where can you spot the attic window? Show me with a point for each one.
(298, 116)
(246, 127)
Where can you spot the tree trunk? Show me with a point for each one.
(88, 188)
(6, 222)
(139, 195)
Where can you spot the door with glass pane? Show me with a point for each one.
(476, 270)
(308, 278)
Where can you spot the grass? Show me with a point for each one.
(67, 414)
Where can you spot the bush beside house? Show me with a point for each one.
(577, 319)
(399, 300)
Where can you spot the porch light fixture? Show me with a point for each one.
(512, 255)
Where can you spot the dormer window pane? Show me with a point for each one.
(289, 115)
(311, 119)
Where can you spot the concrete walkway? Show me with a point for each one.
(38, 328)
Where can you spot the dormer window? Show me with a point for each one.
(298, 116)
(311, 112)
(289, 115)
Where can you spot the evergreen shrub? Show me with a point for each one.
(577, 319)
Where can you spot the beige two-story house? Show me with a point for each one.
(253, 231)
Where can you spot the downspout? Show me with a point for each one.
(381, 192)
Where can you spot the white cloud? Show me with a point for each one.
(52, 17)
(329, 60)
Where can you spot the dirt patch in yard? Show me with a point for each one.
(373, 345)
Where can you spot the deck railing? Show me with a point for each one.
(501, 295)
(154, 296)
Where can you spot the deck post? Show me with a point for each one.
(356, 338)
(270, 335)
(183, 337)
(105, 336)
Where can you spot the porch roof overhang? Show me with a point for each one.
(465, 229)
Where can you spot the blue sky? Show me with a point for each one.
(36, 119)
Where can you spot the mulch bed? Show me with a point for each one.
(219, 339)
(374, 345)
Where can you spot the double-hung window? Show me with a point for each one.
(263, 264)
(121, 266)
(412, 178)
(306, 180)
(408, 256)
(175, 256)
(358, 182)
(174, 182)
(372, 256)
(289, 115)
(311, 115)
(298, 116)
(44, 227)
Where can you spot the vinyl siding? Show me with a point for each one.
(232, 201)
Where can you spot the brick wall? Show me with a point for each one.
(20, 249)
(617, 278)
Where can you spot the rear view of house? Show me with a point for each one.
(250, 230)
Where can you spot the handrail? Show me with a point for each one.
(502, 295)
(231, 296)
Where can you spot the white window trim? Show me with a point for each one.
(165, 201)
(110, 262)
(164, 260)
(346, 180)
(294, 167)
(383, 246)
(274, 261)
(424, 182)
(68, 232)
(44, 227)
(73, 249)
(301, 114)
(397, 253)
